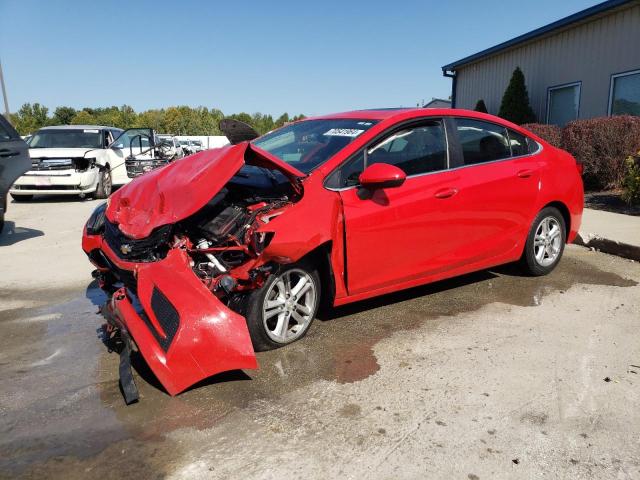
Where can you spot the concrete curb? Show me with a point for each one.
(606, 245)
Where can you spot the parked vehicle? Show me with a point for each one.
(232, 252)
(187, 148)
(197, 145)
(171, 145)
(14, 161)
(85, 160)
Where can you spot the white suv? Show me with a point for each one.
(86, 160)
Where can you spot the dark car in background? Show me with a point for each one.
(14, 161)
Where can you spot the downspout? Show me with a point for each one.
(454, 84)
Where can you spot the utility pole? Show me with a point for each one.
(4, 94)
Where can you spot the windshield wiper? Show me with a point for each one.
(271, 175)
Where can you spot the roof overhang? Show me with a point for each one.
(563, 23)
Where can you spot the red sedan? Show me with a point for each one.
(232, 250)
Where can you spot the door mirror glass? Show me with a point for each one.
(382, 175)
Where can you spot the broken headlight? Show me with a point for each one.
(95, 224)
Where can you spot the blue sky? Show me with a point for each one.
(254, 56)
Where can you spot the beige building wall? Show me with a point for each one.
(589, 53)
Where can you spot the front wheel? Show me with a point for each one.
(103, 190)
(545, 242)
(281, 311)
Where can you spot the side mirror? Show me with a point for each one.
(382, 175)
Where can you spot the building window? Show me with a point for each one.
(563, 103)
(624, 95)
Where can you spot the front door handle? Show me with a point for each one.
(446, 193)
(8, 153)
(525, 173)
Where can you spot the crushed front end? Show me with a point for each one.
(175, 291)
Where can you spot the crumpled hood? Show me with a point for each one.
(177, 191)
(59, 152)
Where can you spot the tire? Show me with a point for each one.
(21, 198)
(1, 222)
(105, 184)
(267, 334)
(543, 248)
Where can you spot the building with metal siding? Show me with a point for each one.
(582, 66)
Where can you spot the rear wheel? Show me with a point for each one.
(282, 311)
(103, 190)
(21, 198)
(545, 243)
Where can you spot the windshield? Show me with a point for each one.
(71, 138)
(307, 144)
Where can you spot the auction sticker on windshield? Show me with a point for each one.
(343, 132)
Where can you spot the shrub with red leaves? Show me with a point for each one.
(549, 133)
(603, 145)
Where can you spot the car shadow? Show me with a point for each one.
(12, 234)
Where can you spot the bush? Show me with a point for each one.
(481, 107)
(631, 180)
(602, 145)
(549, 133)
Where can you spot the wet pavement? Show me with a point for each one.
(369, 391)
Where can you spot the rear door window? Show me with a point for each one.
(482, 141)
(518, 143)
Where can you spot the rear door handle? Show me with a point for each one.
(446, 193)
(525, 173)
(8, 153)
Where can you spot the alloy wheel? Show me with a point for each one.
(289, 306)
(547, 242)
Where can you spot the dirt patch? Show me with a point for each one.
(610, 201)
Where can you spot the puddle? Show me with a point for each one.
(61, 397)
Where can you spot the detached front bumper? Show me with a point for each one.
(181, 329)
(58, 182)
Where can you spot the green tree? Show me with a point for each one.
(151, 119)
(30, 118)
(282, 119)
(63, 116)
(481, 107)
(515, 105)
(84, 117)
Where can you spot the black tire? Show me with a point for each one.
(1, 222)
(252, 308)
(533, 264)
(21, 198)
(105, 184)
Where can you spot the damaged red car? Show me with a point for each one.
(232, 250)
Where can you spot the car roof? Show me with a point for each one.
(79, 127)
(387, 113)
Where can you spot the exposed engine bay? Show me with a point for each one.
(220, 237)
